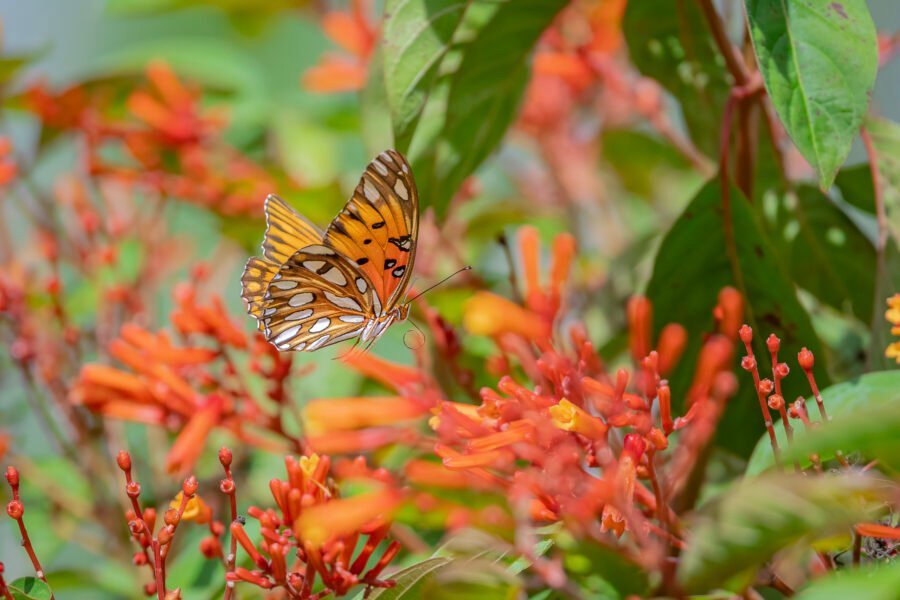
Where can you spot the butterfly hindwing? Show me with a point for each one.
(316, 298)
(378, 228)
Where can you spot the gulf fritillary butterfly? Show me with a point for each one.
(312, 289)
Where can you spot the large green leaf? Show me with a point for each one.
(407, 579)
(704, 252)
(819, 61)
(670, 42)
(823, 249)
(874, 582)
(417, 36)
(864, 418)
(30, 588)
(757, 518)
(454, 77)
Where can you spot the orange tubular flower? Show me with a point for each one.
(569, 417)
(363, 440)
(331, 414)
(893, 316)
(356, 35)
(191, 442)
(340, 518)
(491, 315)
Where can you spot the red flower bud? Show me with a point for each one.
(15, 509)
(806, 359)
(782, 370)
(773, 343)
(227, 486)
(766, 386)
(746, 333)
(124, 460)
(133, 489)
(634, 445)
(139, 559)
(190, 486)
(776, 402)
(748, 363)
(171, 517)
(225, 457)
(12, 476)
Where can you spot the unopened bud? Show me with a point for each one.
(15, 509)
(225, 457)
(806, 359)
(773, 343)
(124, 460)
(748, 363)
(782, 370)
(746, 333)
(133, 489)
(766, 386)
(12, 476)
(190, 486)
(776, 402)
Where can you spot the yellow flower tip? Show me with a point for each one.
(893, 351)
(434, 422)
(194, 510)
(564, 415)
(490, 315)
(308, 464)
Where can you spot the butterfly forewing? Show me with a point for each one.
(378, 228)
(316, 299)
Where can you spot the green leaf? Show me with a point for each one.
(407, 579)
(874, 582)
(454, 76)
(757, 518)
(824, 251)
(30, 588)
(850, 405)
(417, 36)
(704, 252)
(376, 130)
(886, 143)
(819, 61)
(855, 185)
(670, 42)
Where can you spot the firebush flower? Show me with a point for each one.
(356, 33)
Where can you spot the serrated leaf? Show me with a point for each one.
(757, 518)
(702, 253)
(670, 42)
(853, 427)
(819, 61)
(874, 582)
(408, 578)
(30, 588)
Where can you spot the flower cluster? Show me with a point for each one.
(192, 385)
(172, 146)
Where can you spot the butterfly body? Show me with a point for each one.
(311, 289)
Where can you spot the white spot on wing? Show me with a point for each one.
(269, 311)
(319, 250)
(313, 265)
(370, 191)
(379, 166)
(335, 276)
(401, 189)
(300, 347)
(361, 285)
(299, 315)
(352, 318)
(285, 285)
(343, 302)
(386, 157)
(301, 299)
(319, 342)
(287, 334)
(320, 325)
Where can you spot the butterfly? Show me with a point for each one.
(312, 289)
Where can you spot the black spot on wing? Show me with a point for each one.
(362, 261)
(378, 225)
(389, 264)
(399, 271)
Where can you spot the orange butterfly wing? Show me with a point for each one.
(378, 228)
(286, 232)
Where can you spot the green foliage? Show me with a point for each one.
(755, 519)
(873, 582)
(861, 421)
(408, 579)
(670, 42)
(707, 249)
(454, 74)
(30, 588)
(819, 62)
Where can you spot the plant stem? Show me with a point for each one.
(877, 339)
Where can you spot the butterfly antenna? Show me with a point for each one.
(442, 281)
